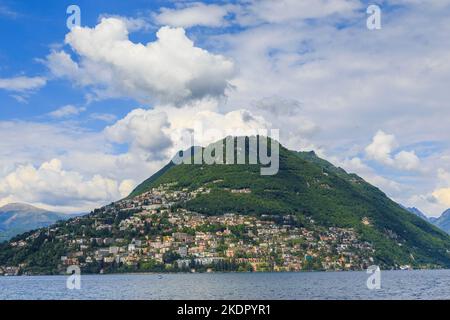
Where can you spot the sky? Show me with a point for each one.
(89, 112)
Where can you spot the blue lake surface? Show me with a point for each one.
(418, 284)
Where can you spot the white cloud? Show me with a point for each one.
(157, 134)
(85, 154)
(441, 193)
(132, 24)
(51, 184)
(142, 129)
(170, 69)
(67, 111)
(381, 150)
(443, 176)
(22, 84)
(61, 65)
(193, 14)
(287, 115)
(126, 187)
(443, 196)
(381, 147)
(407, 160)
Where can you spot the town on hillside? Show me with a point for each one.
(153, 232)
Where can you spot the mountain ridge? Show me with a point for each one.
(16, 218)
(442, 222)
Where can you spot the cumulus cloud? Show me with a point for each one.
(160, 132)
(407, 160)
(193, 14)
(443, 196)
(381, 147)
(142, 129)
(381, 150)
(132, 24)
(51, 184)
(169, 70)
(288, 116)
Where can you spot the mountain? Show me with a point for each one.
(443, 221)
(16, 218)
(310, 215)
(418, 213)
(307, 185)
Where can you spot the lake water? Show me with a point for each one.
(430, 284)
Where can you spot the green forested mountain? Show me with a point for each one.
(312, 205)
(309, 186)
(443, 221)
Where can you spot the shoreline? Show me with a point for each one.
(219, 272)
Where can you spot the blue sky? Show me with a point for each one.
(33, 28)
(87, 114)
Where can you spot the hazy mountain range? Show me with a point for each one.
(443, 221)
(16, 218)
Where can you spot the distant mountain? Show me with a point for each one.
(16, 218)
(418, 213)
(443, 221)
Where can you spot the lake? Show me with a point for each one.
(418, 284)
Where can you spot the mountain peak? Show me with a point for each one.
(417, 212)
(446, 214)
